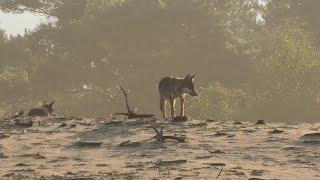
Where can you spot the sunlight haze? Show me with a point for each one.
(15, 24)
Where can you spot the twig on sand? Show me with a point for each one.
(161, 138)
(17, 114)
(220, 172)
(159, 134)
(130, 114)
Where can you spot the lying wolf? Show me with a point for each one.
(44, 110)
(171, 88)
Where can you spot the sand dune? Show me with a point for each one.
(82, 148)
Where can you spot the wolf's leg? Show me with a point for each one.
(163, 107)
(172, 102)
(181, 106)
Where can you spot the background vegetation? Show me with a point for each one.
(253, 59)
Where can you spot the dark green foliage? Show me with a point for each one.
(264, 67)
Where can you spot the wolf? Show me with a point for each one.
(171, 88)
(44, 110)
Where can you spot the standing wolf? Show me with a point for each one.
(171, 88)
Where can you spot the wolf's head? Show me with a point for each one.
(48, 107)
(188, 85)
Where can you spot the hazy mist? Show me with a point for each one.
(252, 60)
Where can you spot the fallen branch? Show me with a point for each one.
(17, 114)
(170, 163)
(220, 172)
(134, 115)
(130, 114)
(159, 134)
(174, 138)
(161, 138)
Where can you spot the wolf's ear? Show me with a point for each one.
(193, 76)
(52, 103)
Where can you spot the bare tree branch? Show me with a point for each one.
(220, 172)
(126, 96)
(32, 10)
(161, 138)
(130, 114)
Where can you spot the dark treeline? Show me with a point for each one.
(253, 59)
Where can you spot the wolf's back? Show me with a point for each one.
(167, 84)
(38, 112)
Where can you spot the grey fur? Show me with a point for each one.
(44, 110)
(171, 88)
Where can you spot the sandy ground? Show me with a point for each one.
(80, 148)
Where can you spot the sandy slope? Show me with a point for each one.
(49, 149)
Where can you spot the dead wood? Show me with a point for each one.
(17, 114)
(174, 138)
(130, 144)
(171, 162)
(217, 164)
(161, 138)
(159, 134)
(276, 131)
(88, 144)
(216, 151)
(220, 172)
(134, 115)
(130, 114)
